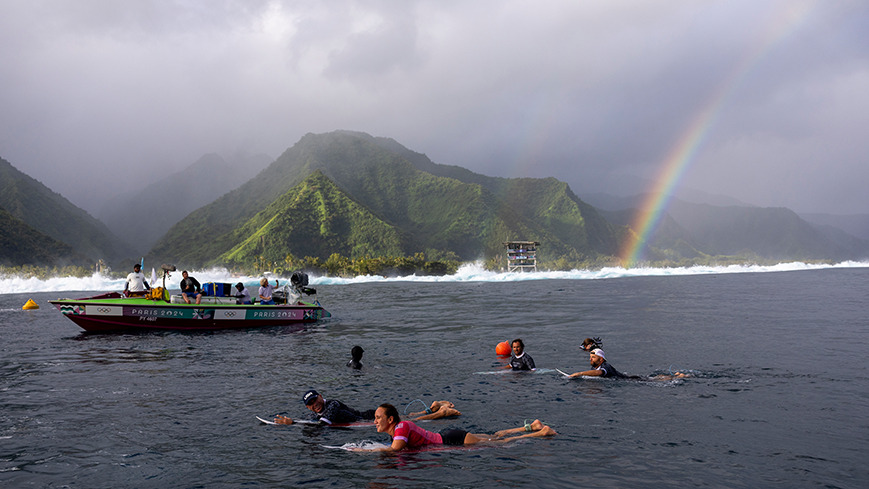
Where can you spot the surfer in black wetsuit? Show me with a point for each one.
(597, 359)
(332, 411)
(328, 412)
(520, 360)
(600, 368)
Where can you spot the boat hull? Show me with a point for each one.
(104, 315)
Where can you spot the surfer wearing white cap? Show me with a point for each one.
(600, 367)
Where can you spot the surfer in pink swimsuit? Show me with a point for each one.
(406, 434)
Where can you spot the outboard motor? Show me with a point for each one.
(300, 282)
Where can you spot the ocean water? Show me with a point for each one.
(779, 395)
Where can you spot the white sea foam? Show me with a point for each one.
(470, 272)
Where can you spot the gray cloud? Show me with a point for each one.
(107, 94)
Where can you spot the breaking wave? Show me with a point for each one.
(470, 272)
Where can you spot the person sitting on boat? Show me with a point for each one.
(406, 434)
(332, 411)
(190, 287)
(136, 285)
(266, 291)
(243, 295)
(356, 357)
(520, 360)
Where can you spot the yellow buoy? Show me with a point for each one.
(30, 305)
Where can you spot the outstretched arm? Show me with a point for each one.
(588, 373)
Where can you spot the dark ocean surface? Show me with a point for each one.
(779, 397)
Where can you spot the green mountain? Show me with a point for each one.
(51, 214)
(401, 203)
(321, 212)
(20, 244)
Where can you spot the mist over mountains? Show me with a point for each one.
(356, 195)
(142, 215)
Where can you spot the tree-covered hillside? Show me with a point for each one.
(22, 245)
(51, 214)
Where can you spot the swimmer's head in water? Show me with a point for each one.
(385, 416)
(356, 352)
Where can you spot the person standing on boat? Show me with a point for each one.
(243, 295)
(136, 285)
(190, 287)
(266, 291)
(520, 360)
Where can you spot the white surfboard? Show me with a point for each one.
(509, 371)
(295, 421)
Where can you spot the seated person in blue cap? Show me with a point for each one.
(332, 411)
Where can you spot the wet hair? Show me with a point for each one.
(596, 342)
(390, 412)
(239, 286)
(356, 352)
(517, 340)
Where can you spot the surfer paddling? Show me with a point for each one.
(332, 411)
(406, 434)
(600, 368)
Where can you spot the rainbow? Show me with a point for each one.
(684, 152)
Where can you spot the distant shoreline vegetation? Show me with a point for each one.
(338, 265)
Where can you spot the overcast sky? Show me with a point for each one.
(770, 97)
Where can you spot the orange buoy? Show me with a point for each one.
(503, 348)
(30, 305)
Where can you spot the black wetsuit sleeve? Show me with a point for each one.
(336, 412)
